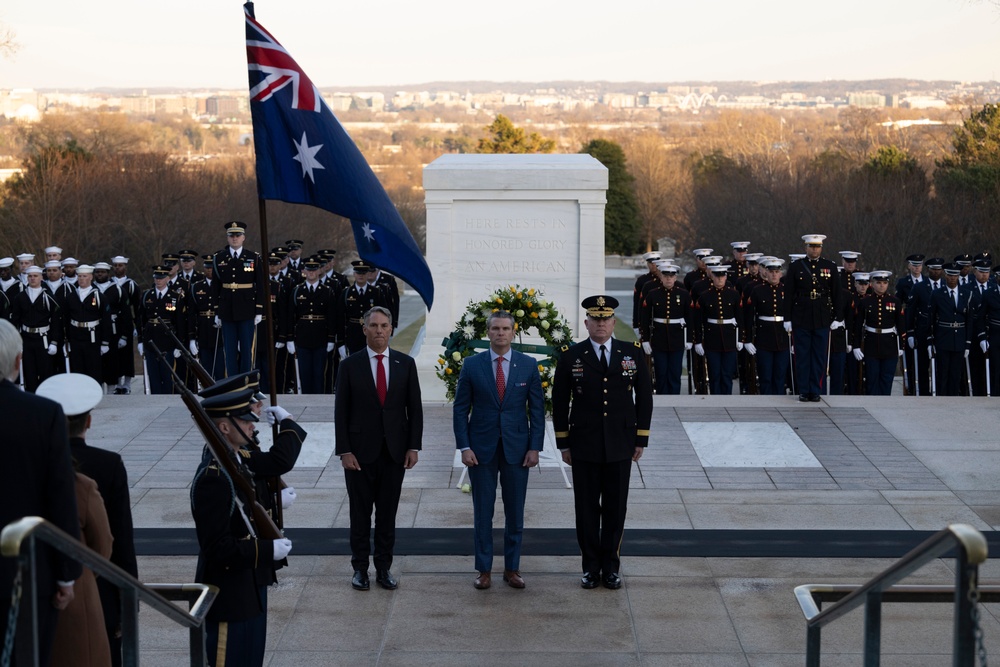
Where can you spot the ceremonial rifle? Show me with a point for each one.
(221, 450)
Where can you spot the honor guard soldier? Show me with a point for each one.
(312, 330)
(848, 265)
(738, 267)
(53, 279)
(981, 266)
(602, 404)
(329, 275)
(878, 323)
(916, 312)
(121, 325)
(204, 334)
(716, 316)
(700, 272)
(855, 368)
(390, 290)
(904, 287)
(239, 286)
(353, 303)
(840, 338)
(763, 324)
(232, 556)
(188, 273)
(161, 307)
(131, 295)
(9, 284)
(37, 316)
(53, 253)
(753, 277)
(813, 296)
(987, 332)
(948, 333)
(650, 276)
(87, 320)
(701, 286)
(295, 262)
(69, 266)
(663, 322)
(24, 260)
(280, 292)
(964, 263)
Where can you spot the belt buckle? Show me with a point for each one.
(813, 295)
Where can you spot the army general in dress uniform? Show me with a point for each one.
(602, 404)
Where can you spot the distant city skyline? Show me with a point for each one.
(188, 44)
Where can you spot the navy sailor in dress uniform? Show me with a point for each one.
(813, 296)
(37, 316)
(602, 404)
(239, 286)
(763, 327)
(878, 325)
(87, 321)
(663, 323)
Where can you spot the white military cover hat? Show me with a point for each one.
(849, 254)
(740, 245)
(880, 275)
(701, 252)
(652, 256)
(813, 238)
(75, 392)
(861, 276)
(719, 268)
(713, 260)
(772, 262)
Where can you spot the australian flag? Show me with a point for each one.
(304, 156)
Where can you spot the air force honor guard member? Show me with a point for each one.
(813, 295)
(602, 404)
(239, 286)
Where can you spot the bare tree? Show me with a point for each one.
(8, 41)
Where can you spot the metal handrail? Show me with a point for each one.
(25, 531)
(972, 551)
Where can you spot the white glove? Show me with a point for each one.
(750, 348)
(140, 350)
(688, 346)
(930, 351)
(279, 345)
(911, 341)
(105, 349)
(699, 350)
(858, 354)
(739, 346)
(282, 548)
(343, 351)
(637, 334)
(193, 346)
(329, 348)
(966, 354)
(276, 414)
(218, 322)
(288, 497)
(647, 348)
(984, 346)
(900, 351)
(788, 327)
(836, 324)
(849, 348)
(290, 346)
(52, 349)
(122, 342)
(257, 319)
(177, 354)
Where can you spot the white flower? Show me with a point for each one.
(487, 312)
(469, 331)
(546, 325)
(519, 313)
(543, 313)
(557, 335)
(457, 356)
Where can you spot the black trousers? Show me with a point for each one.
(377, 484)
(600, 494)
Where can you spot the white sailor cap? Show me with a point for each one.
(796, 256)
(118, 259)
(70, 261)
(861, 276)
(652, 256)
(772, 262)
(53, 249)
(813, 239)
(740, 245)
(880, 275)
(85, 269)
(77, 393)
(53, 264)
(719, 268)
(850, 255)
(701, 252)
(25, 257)
(102, 265)
(33, 269)
(712, 260)
(6, 261)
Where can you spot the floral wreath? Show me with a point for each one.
(530, 312)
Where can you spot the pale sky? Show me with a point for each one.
(200, 43)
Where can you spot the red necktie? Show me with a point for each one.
(501, 381)
(380, 384)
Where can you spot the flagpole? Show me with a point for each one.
(269, 329)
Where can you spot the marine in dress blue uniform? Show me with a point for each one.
(664, 327)
(763, 327)
(716, 316)
(878, 325)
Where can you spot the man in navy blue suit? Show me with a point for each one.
(500, 437)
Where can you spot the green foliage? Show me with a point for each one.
(890, 161)
(622, 225)
(505, 137)
(973, 169)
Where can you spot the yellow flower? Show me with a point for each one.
(535, 315)
(515, 326)
(441, 362)
(527, 304)
(541, 369)
(531, 292)
(511, 288)
(496, 310)
(545, 385)
(448, 371)
(519, 295)
(499, 300)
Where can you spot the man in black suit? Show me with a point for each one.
(380, 424)
(78, 395)
(36, 479)
(607, 381)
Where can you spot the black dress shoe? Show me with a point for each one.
(815, 398)
(590, 580)
(804, 398)
(360, 581)
(612, 581)
(385, 580)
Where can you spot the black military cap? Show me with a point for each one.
(238, 382)
(161, 271)
(983, 265)
(361, 266)
(235, 404)
(313, 263)
(327, 254)
(934, 263)
(294, 244)
(188, 255)
(952, 269)
(983, 255)
(274, 258)
(281, 251)
(170, 258)
(963, 260)
(600, 306)
(208, 258)
(235, 227)
(915, 260)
